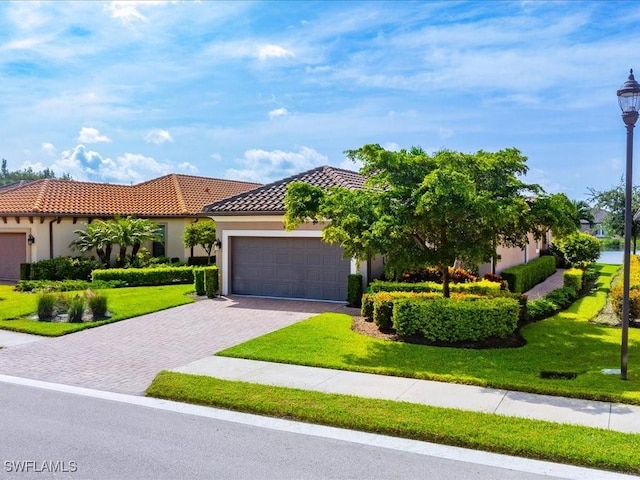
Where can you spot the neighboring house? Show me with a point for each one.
(597, 229)
(38, 219)
(512, 256)
(259, 257)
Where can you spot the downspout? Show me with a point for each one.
(51, 238)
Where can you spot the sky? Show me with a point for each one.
(123, 92)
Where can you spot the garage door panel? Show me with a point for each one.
(288, 267)
(13, 252)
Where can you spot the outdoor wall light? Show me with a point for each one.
(628, 99)
(217, 244)
(31, 239)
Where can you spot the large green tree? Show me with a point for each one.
(201, 233)
(613, 202)
(420, 209)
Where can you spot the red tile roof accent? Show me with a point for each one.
(170, 195)
(269, 199)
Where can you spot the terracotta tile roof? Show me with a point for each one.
(269, 199)
(170, 195)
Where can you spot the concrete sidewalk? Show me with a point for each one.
(619, 417)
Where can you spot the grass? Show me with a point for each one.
(566, 343)
(123, 303)
(513, 436)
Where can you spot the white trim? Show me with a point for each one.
(226, 261)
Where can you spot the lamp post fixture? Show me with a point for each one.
(628, 98)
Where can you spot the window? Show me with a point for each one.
(158, 249)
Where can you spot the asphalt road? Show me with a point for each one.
(84, 437)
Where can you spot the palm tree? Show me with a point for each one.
(584, 212)
(124, 232)
(98, 236)
(132, 232)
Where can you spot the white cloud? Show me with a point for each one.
(89, 165)
(128, 11)
(216, 156)
(278, 112)
(266, 166)
(273, 51)
(91, 135)
(48, 148)
(391, 146)
(158, 136)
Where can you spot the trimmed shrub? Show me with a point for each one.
(97, 303)
(367, 306)
(64, 268)
(354, 290)
(451, 320)
(46, 305)
(553, 302)
(164, 275)
(574, 278)
(580, 249)
(383, 310)
(65, 285)
(76, 307)
(201, 261)
(433, 274)
(525, 276)
(25, 271)
(482, 287)
(198, 280)
(211, 281)
(540, 308)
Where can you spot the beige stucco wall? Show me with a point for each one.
(511, 256)
(62, 234)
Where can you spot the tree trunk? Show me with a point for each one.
(122, 256)
(135, 249)
(445, 281)
(494, 256)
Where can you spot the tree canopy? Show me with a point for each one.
(612, 201)
(7, 176)
(203, 234)
(419, 209)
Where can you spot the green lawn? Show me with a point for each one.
(577, 445)
(564, 343)
(16, 307)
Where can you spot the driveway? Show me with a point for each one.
(125, 356)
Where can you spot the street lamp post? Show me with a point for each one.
(628, 98)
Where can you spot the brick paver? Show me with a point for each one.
(125, 356)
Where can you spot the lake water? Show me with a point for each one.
(611, 256)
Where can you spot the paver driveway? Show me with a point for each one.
(125, 356)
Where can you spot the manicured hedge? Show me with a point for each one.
(211, 281)
(146, 276)
(63, 268)
(354, 290)
(552, 303)
(449, 320)
(198, 279)
(482, 287)
(574, 278)
(525, 276)
(378, 306)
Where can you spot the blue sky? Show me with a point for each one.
(122, 92)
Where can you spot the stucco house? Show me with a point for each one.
(38, 219)
(259, 257)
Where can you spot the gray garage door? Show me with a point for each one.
(288, 267)
(13, 252)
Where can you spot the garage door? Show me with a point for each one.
(13, 252)
(288, 267)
